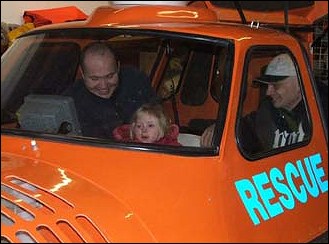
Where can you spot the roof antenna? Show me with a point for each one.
(286, 8)
(239, 8)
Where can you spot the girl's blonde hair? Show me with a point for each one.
(155, 110)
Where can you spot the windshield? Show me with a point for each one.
(55, 83)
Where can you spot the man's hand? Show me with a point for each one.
(207, 135)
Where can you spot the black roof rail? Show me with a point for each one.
(240, 10)
(286, 21)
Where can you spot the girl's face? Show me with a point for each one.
(147, 129)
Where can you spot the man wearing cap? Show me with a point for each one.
(281, 118)
(281, 78)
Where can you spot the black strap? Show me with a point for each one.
(174, 104)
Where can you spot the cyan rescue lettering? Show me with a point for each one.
(258, 194)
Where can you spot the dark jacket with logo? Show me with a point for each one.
(270, 127)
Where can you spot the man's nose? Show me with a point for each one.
(102, 83)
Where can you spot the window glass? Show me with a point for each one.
(47, 91)
(274, 114)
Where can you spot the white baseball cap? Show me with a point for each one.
(278, 69)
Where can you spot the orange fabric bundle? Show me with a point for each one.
(53, 15)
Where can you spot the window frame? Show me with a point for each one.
(276, 49)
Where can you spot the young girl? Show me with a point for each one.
(149, 125)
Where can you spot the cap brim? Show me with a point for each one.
(269, 79)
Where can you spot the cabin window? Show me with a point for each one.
(273, 114)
